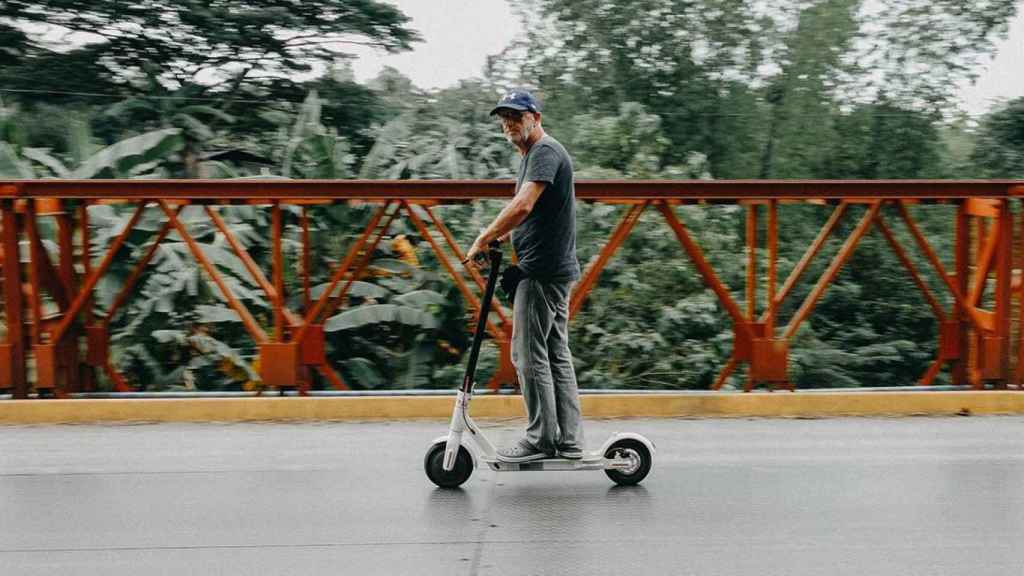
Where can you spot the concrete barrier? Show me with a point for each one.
(658, 405)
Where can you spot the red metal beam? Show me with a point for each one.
(313, 313)
(773, 258)
(837, 264)
(979, 197)
(306, 258)
(12, 364)
(768, 317)
(83, 223)
(250, 265)
(140, 267)
(705, 269)
(248, 321)
(751, 260)
(277, 270)
(249, 189)
(438, 224)
(922, 242)
(984, 263)
(450, 267)
(36, 254)
(962, 254)
(909, 265)
(1018, 378)
(1004, 271)
(357, 272)
(590, 275)
(48, 276)
(86, 292)
(730, 366)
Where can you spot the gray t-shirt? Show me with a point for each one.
(545, 242)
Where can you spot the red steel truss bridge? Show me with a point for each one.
(56, 341)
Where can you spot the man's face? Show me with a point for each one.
(516, 125)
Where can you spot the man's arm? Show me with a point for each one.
(510, 216)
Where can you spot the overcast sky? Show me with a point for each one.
(459, 34)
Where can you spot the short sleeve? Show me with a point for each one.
(542, 165)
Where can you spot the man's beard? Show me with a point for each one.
(519, 136)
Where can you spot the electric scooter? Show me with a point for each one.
(625, 457)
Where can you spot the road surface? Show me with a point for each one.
(857, 496)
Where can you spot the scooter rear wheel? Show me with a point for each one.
(637, 453)
(433, 463)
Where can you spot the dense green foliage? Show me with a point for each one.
(649, 89)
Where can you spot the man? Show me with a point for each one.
(542, 221)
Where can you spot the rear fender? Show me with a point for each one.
(627, 435)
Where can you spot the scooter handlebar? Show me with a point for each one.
(492, 255)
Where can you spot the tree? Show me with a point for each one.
(799, 96)
(678, 59)
(630, 144)
(449, 135)
(881, 140)
(139, 155)
(219, 45)
(312, 150)
(999, 148)
(918, 52)
(346, 106)
(196, 122)
(712, 70)
(13, 45)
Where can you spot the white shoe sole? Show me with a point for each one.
(520, 459)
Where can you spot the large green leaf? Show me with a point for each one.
(194, 127)
(362, 372)
(212, 314)
(358, 289)
(398, 284)
(422, 299)
(165, 336)
(44, 157)
(393, 266)
(416, 365)
(119, 158)
(379, 314)
(202, 110)
(11, 166)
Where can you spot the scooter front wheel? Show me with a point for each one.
(433, 463)
(639, 458)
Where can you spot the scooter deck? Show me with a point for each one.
(588, 462)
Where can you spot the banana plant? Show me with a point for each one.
(135, 157)
(197, 124)
(411, 146)
(312, 150)
(12, 164)
(389, 334)
(176, 331)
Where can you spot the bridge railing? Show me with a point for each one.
(49, 306)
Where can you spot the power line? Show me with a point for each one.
(822, 114)
(124, 96)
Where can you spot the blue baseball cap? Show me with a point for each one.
(518, 99)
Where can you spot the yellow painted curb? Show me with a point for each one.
(768, 405)
(791, 405)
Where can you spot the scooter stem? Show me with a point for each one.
(458, 423)
(494, 254)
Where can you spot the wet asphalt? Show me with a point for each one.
(900, 496)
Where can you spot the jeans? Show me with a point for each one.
(540, 354)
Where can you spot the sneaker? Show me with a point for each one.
(522, 451)
(570, 452)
